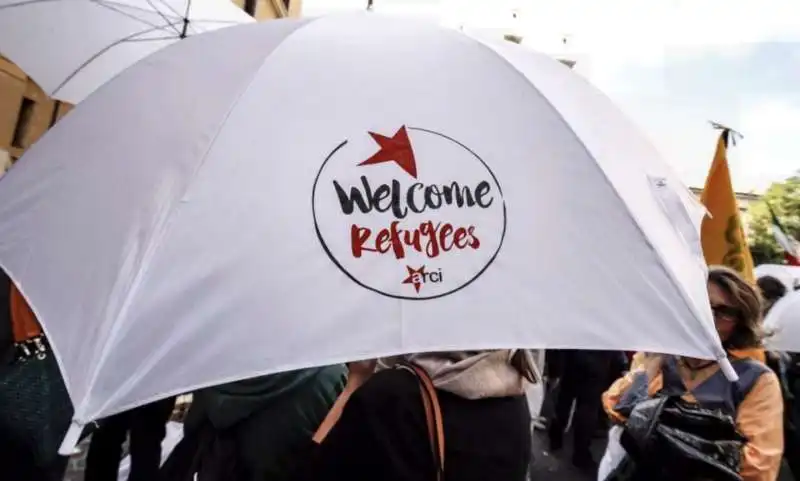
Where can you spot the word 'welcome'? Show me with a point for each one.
(417, 198)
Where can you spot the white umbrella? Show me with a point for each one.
(71, 47)
(788, 275)
(783, 322)
(349, 187)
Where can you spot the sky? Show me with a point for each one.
(671, 65)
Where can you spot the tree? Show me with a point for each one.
(784, 197)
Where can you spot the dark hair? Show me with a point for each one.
(749, 332)
(771, 288)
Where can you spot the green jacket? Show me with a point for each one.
(271, 416)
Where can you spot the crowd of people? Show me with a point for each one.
(456, 416)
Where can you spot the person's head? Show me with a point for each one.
(737, 309)
(772, 289)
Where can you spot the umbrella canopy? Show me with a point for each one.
(783, 323)
(349, 187)
(71, 47)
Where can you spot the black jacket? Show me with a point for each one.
(382, 435)
(6, 331)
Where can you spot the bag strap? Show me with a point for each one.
(433, 415)
(23, 320)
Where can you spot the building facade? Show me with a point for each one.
(26, 112)
(270, 9)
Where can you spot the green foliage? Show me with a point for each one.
(784, 197)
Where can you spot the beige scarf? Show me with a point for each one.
(470, 374)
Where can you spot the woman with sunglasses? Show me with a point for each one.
(754, 401)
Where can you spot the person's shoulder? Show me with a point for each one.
(767, 384)
(388, 397)
(390, 383)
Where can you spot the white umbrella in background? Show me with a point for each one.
(71, 47)
(788, 275)
(348, 187)
(783, 321)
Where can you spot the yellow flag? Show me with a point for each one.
(722, 234)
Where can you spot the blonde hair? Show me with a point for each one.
(749, 332)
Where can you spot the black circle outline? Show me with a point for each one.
(393, 296)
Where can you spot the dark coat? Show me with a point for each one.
(251, 430)
(382, 435)
(6, 331)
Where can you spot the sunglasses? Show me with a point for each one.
(726, 312)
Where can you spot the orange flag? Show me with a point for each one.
(722, 234)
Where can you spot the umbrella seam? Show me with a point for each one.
(172, 19)
(716, 346)
(103, 51)
(155, 240)
(113, 6)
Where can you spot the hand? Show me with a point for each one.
(360, 371)
(652, 365)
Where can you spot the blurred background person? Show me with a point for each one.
(35, 409)
(146, 425)
(582, 377)
(255, 429)
(378, 429)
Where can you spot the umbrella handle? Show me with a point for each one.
(71, 439)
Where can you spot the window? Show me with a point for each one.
(23, 123)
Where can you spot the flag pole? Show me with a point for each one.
(731, 135)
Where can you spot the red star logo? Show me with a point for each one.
(395, 149)
(415, 277)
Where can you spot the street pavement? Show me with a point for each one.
(77, 462)
(547, 465)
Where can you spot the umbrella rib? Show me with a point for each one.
(193, 25)
(24, 2)
(153, 39)
(110, 5)
(130, 38)
(113, 7)
(160, 13)
(170, 8)
(124, 5)
(211, 20)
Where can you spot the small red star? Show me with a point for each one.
(395, 149)
(415, 277)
